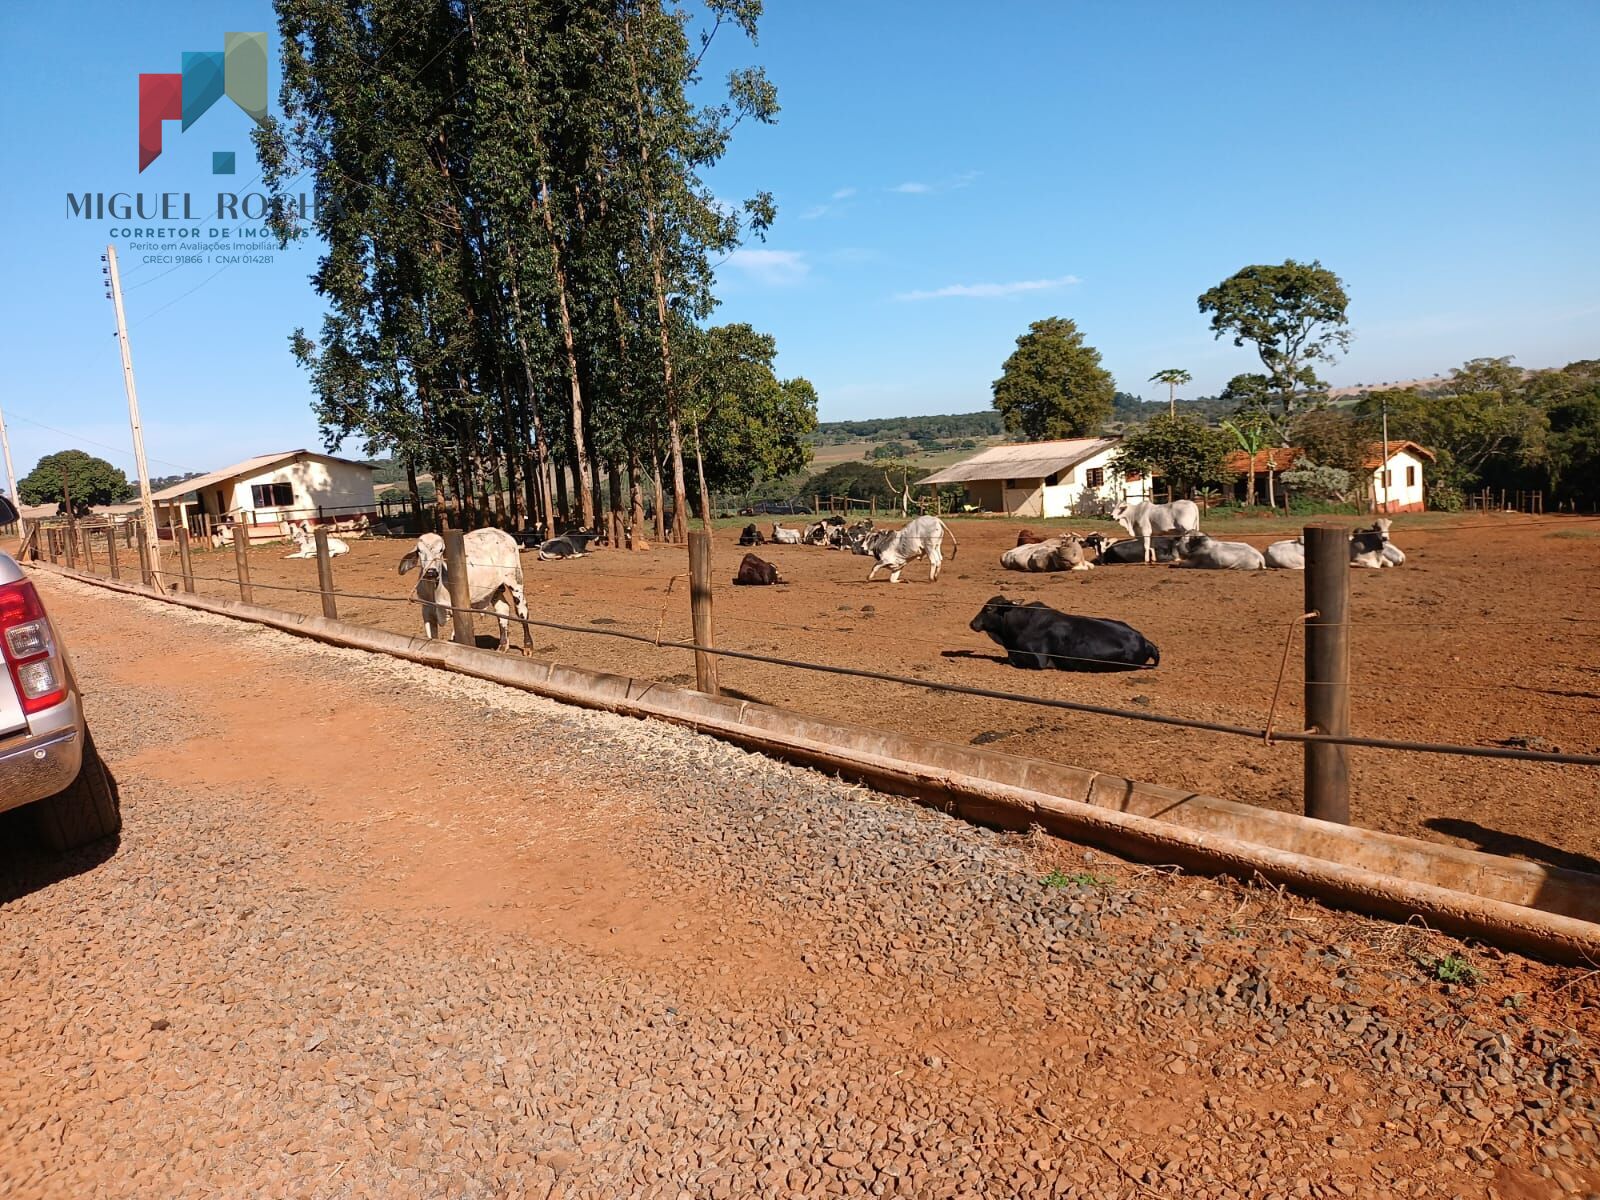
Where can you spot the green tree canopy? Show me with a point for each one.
(1053, 385)
(91, 480)
(748, 424)
(1188, 453)
(1293, 314)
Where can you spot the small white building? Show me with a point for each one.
(1394, 485)
(1071, 478)
(265, 493)
(1397, 481)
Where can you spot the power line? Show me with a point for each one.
(90, 441)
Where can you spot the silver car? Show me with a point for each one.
(47, 758)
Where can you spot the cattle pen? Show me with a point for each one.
(660, 629)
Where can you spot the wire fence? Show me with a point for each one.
(650, 631)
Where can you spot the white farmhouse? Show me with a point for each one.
(265, 493)
(1044, 479)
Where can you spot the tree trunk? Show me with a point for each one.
(1250, 482)
(614, 495)
(558, 275)
(655, 482)
(416, 493)
(635, 500)
(563, 509)
(700, 471)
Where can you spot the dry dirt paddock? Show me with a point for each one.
(1490, 634)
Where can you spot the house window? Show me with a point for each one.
(1094, 477)
(1411, 477)
(1052, 479)
(1388, 479)
(271, 495)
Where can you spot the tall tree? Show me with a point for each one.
(1052, 385)
(1174, 378)
(90, 480)
(1293, 314)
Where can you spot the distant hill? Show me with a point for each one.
(937, 428)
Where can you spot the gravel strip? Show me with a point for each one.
(850, 995)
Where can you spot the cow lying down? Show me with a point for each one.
(751, 536)
(1199, 550)
(1110, 552)
(1058, 554)
(756, 572)
(1038, 637)
(561, 547)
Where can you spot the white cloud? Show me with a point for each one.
(843, 194)
(915, 187)
(773, 268)
(991, 291)
(815, 211)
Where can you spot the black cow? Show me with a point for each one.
(564, 546)
(1036, 636)
(1130, 550)
(751, 536)
(756, 572)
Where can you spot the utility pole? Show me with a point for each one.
(146, 506)
(11, 474)
(1384, 477)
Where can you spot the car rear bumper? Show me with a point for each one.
(35, 767)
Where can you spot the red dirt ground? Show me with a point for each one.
(1486, 636)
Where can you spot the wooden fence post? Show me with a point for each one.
(1327, 685)
(146, 576)
(88, 549)
(241, 559)
(455, 569)
(705, 665)
(111, 552)
(330, 607)
(70, 540)
(185, 563)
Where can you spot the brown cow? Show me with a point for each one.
(756, 572)
(1028, 538)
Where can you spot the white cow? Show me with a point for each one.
(300, 533)
(894, 548)
(1141, 519)
(494, 573)
(785, 536)
(1057, 554)
(1369, 547)
(1198, 550)
(1287, 555)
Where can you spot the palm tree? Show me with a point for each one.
(1172, 377)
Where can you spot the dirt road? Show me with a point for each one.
(375, 931)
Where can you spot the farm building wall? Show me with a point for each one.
(339, 488)
(1403, 490)
(1090, 489)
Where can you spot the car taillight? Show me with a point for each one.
(30, 648)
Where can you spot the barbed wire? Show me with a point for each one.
(1266, 735)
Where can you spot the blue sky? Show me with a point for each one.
(945, 174)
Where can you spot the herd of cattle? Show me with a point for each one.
(1032, 634)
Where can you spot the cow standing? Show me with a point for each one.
(1141, 519)
(494, 575)
(894, 548)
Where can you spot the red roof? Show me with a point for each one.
(1281, 458)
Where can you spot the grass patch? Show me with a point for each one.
(1576, 533)
(1061, 879)
(1452, 968)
